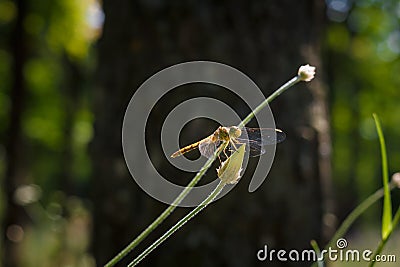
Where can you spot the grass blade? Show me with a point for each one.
(387, 204)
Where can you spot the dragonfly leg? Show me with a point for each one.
(233, 144)
(225, 153)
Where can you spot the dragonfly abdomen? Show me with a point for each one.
(185, 149)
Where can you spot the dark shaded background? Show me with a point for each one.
(69, 68)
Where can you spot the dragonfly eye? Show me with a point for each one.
(234, 132)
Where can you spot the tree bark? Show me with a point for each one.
(14, 214)
(268, 40)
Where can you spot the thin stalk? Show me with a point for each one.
(279, 91)
(383, 242)
(179, 224)
(167, 211)
(317, 250)
(360, 209)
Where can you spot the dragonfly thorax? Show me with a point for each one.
(227, 133)
(222, 134)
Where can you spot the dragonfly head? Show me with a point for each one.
(234, 131)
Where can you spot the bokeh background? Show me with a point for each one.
(69, 67)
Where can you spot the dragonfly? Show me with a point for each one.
(255, 138)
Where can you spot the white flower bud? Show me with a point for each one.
(396, 179)
(306, 73)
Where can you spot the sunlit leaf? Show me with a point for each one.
(230, 169)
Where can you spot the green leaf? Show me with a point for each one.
(229, 172)
(387, 204)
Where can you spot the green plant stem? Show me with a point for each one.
(167, 211)
(279, 91)
(360, 209)
(383, 242)
(179, 224)
(317, 250)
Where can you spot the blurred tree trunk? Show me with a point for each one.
(72, 86)
(14, 214)
(268, 40)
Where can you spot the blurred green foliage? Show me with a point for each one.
(55, 133)
(362, 67)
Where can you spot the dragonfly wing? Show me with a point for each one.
(255, 149)
(207, 148)
(263, 136)
(257, 138)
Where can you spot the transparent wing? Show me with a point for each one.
(255, 149)
(258, 138)
(207, 148)
(262, 136)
